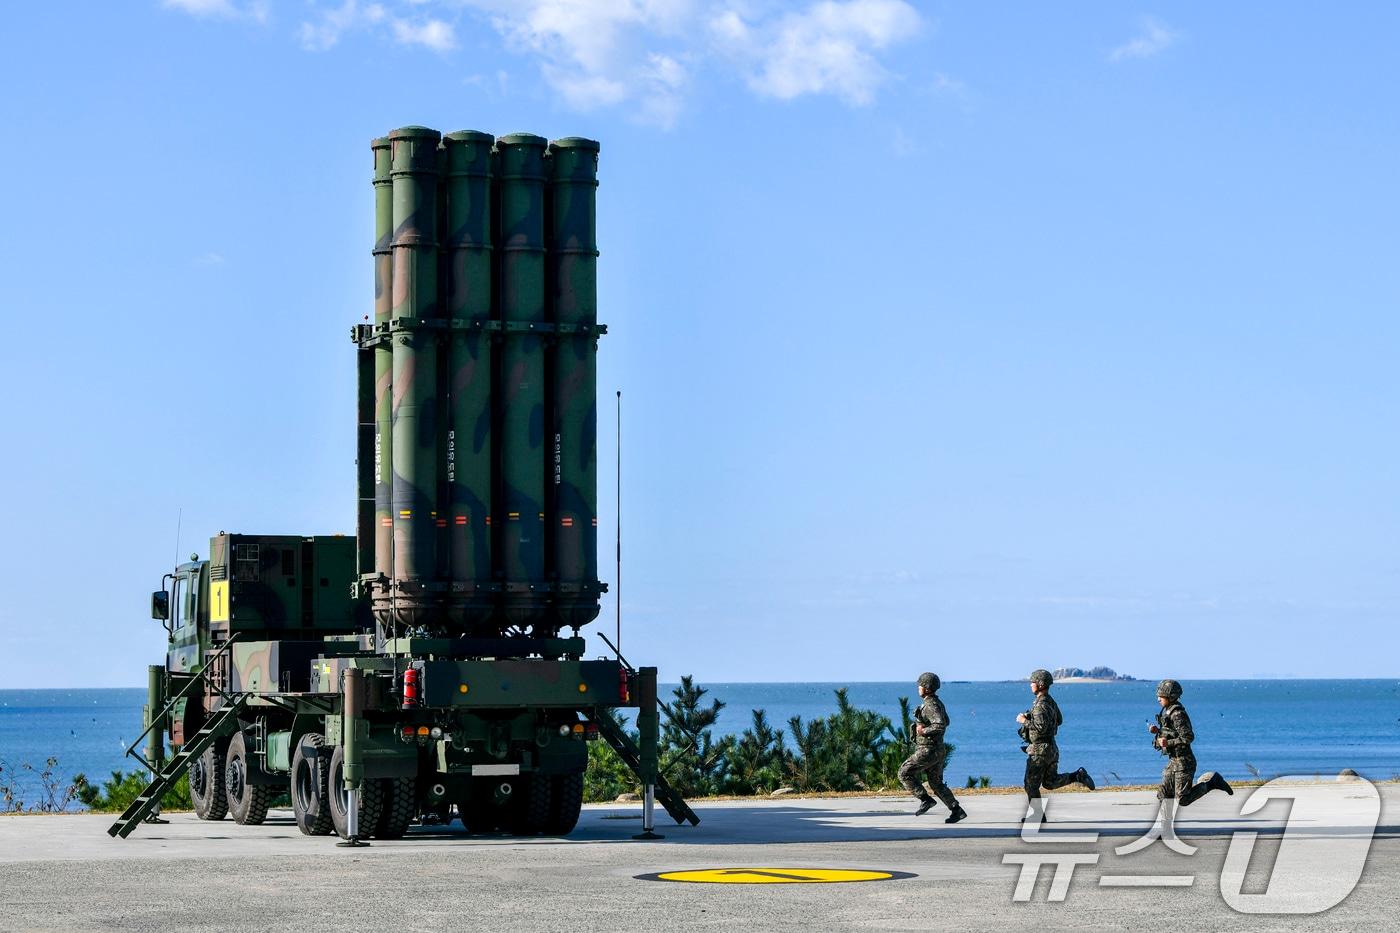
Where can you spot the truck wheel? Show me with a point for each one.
(398, 809)
(207, 784)
(246, 802)
(308, 786)
(371, 799)
(566, 803)
(536, 802)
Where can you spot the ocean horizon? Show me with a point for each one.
(1245, 728)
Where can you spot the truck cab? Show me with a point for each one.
(183, 608)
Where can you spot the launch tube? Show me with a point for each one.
(382, 458)
(467, 453)
(415, 389)
(521, 448)
(573, 264)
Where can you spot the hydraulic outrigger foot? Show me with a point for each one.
(352, 821)
(649, 815)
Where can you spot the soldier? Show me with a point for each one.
(1173, 738)
(1038, 727)
(930, 722)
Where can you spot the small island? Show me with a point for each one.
(1094, 675)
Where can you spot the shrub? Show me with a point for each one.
(844, 751)
(118, 792)
(607, 776)
(53, 795)
(759, 760)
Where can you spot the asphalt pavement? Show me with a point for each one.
(764, 864)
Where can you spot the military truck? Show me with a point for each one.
(431, 666)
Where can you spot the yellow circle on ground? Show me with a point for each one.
(776, 875)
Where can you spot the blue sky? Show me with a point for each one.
(963, 337)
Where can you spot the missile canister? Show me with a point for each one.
(415, 310)
(573, 265)
(378, 458)
(521, 448)
(467, 278)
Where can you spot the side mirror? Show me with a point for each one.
(160, 605)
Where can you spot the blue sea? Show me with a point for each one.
(1244, 728)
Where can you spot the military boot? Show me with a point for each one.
(1217, 782)
(1083, 777)
(925, 805)
(958, 814)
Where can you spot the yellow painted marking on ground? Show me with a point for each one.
(776, 875)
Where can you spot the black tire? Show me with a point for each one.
(532, 815)
(207, 784)
(398, 809)
(247, 803)
(371, 799)
(566, 803)
(308, 786)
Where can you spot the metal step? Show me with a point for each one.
(631, 756)
(224, 721)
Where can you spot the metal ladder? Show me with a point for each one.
(221, 723)
(631, 756)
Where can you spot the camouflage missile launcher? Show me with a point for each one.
(432, 664)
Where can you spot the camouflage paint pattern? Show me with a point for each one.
(573, 266)
(415, 390)
(522, 421)
(281, 583)
(383, 452)
(467, 288)
(252, 670)
(484, 440)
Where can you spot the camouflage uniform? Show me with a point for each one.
(929, 754)
(1043, 720)
(1178, 776)
(1177, 737)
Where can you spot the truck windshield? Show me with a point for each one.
(190, 614)
(177, 594)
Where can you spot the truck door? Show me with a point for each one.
(184, 656)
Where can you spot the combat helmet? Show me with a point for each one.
(1170, 689)
(1042, 677)
(930, 681)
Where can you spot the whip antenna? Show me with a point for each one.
(618, 596)
(179, 520)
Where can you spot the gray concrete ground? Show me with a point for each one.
(64, 872)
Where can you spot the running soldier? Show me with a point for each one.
(1038, 727)
(930, 722)
(1172, 736)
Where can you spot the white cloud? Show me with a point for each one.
(210, 259)
(1156, 38)
(642, 55)
(602, 53)
(325, 31)
(222, 9)
(828, 48)
(645, 54)
(433, 33)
